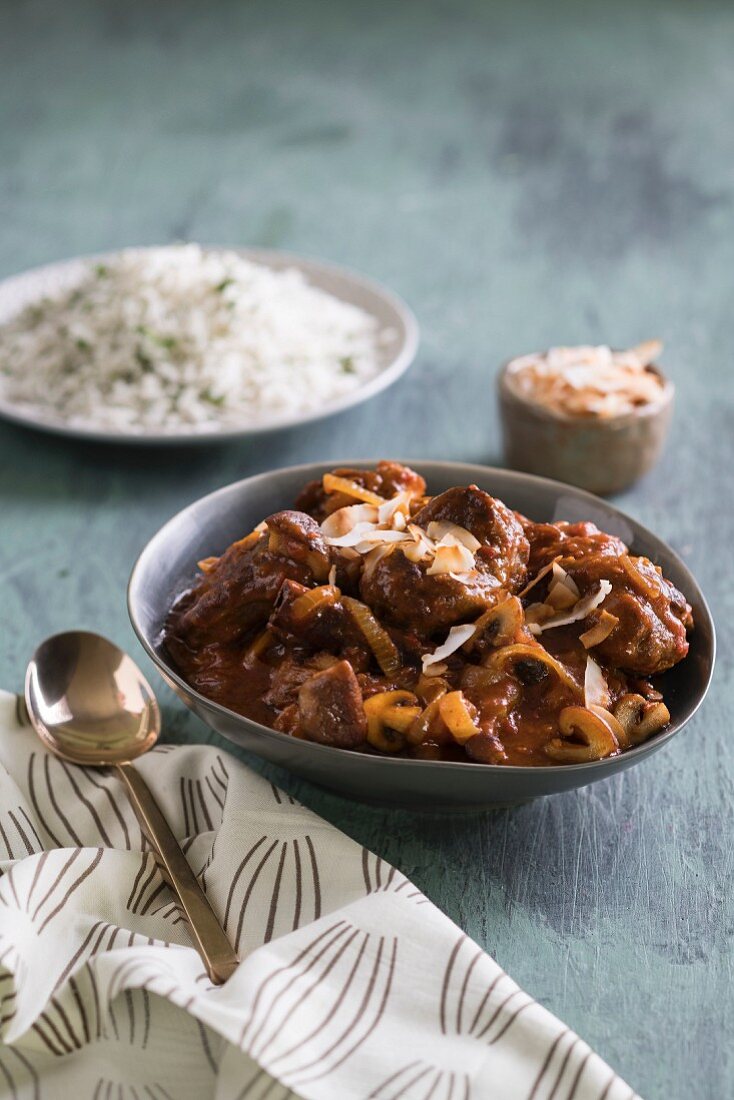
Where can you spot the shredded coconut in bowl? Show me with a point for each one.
(589, 381)
(185, 338)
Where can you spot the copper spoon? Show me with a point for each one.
(90, 704)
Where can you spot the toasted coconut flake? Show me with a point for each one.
(449, 534)
(357, 534)
(364, 536)
(596, 692)
(599, 631)
(454, 640)
(397, 505)
(580, 610)
(332, 575)
(346, 519)
(539, 576)
(535, 614)
(589, 381)
(421, 548)
(374, 557)
(612, 721)
(560, 576)
(560, 596)
(451, 559)
(436, 670)
(647, 352)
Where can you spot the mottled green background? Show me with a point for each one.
(523, 174)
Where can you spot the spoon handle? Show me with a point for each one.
(217, 954)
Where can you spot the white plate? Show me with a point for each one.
(395, 354)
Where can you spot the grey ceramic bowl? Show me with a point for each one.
(167, 566)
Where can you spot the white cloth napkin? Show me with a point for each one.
(352, 984)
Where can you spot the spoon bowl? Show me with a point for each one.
(89, 701)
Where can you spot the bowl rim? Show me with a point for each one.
(641, 412)
(385, 377)
(381, 760)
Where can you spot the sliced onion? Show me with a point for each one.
(258, 646)
(314, 600)
(207, 564)
(458, 717)
(419, 729)
(332, 483)
(596, 634)
(377, 638)
(637, 577)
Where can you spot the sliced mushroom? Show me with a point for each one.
(499, 626)
(640, 718)
(585, 736)
(528, 658)
(389, 715)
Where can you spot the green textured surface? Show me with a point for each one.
(523, 174)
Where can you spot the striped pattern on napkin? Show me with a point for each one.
(352, 984)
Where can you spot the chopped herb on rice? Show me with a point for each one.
(180, 337)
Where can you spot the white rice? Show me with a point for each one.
(177, 338)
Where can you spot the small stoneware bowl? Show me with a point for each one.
(601, 455)
(167, 567)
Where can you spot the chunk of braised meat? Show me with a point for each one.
(238, 591)
(387, 479)
(314, 617)
(297, 536)
(654, 617)
(572, 540)
(504, 550)
(290, 673)
(330, 708)
(401, 593)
